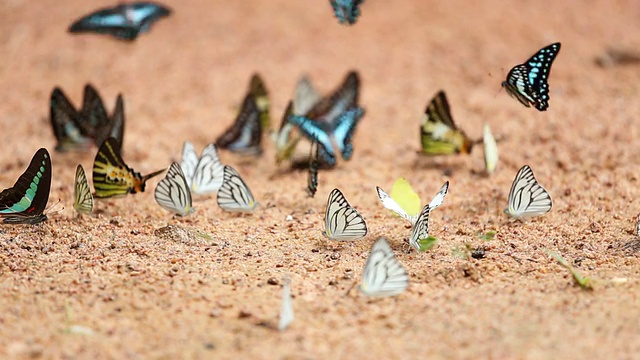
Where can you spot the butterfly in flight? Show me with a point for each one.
(82, 198)
(112, 176)
(391, 204)
(24, 203)
(439, 135)
(172, 192)
(312, 179)
(286, 311)
(527, 198)
(261, 97)
(527, 82)
(347, 11)
(124, 21)
(383, 274)
(235, 195)
(245, 134)
(205, 174)
(341, 221)
(490, 150)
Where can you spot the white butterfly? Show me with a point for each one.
(205, 174)
(420, 228)
(383, 274)
(172, 192)
(490, 150)
(234, 195)
(527, 198)
(341, 221)
(389, 203)
(286, 311)
(82, 198)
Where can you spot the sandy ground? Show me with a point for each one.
(116, 286)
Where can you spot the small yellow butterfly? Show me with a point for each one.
(406, 197)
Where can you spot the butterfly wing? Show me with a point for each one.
(144, 14)
(527, 198)
(392, 205)
(306, 97)
(383, 274)
(189, 161)
(261, 96)
(235, 195)
(209, 174)
(342, 99)
(439, 198)
(111, 176)
(124, 21)
(344, 128)
(438, 133)
(528, 82)
(312, 180)
(245, 135)
(82, 198)
(287, 137)
(343, 222)
(421, 228)
(172, 192)
(404, 195)
(347, 11)
(490, 150)
(286, 311)
(24, 203)
(67, 123)
(314, 132)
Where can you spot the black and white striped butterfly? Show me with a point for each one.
(388, 202)
(527, 82)
(172, 192)
(312, 179)
(235, 195)
(205, 174)
(82, 198)
(383, 274)
(527, 198)
(341, 221)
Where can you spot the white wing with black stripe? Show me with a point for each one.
(342, 222)
(235, 195)
(172, 192)
(189, 161)
(82, 198)
(527, 198)
(383, 274)
(209, 173)
(421, 228)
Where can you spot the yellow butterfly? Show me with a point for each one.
(406, 197)
(112, 177)
(438, 133)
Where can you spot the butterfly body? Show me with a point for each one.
(124, 21)
(439, 135)
(527, 82)
(347, 11)
(24, 203)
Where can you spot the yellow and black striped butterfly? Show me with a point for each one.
(261, 97)
(438, 133)
(112, 177)
(82, 198)
(245, 135)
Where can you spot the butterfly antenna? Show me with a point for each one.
(51, 209)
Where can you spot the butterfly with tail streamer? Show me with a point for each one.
(25, 202)
(124, 21)
(528, 82)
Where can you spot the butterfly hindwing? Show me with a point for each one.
(209, 173)
(24, 203)
(439, 135)
(343, 222)
(527, 198)
(528, 82)
(245, 135)
(235, 195)
(82, 198)
(383, 274)
(172, 192)
(261, 97)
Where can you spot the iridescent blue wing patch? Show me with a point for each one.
(347, 11)
(527, 82)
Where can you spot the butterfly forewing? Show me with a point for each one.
(344, 128)
(527, 198)
(421, 228)
(343, 222)
(189, 161)
(68, 125)
(306, 97)
(383, 274)
(82, 198)
(245, 134)
(24, 203)
(235, 195)
(261, 96)
(209, 173)
(390, 204)
(172, 192)
(439, 198)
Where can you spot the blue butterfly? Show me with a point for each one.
(527, 82)
(346, 11)
(341, 130)
(124, 21)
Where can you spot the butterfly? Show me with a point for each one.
(99, 125)
(389, 203)
(68, 125)
(124, 21)
(420, 228)
(235, 195)
(312, 180)
(490, 150)
(24, 203)
(342, 99)
(341, 221)
(112, 177)
(261, 96)
(341, 131)
(347, 11)
(406, 197)
(172, 192)
(383, 274)
(205, 174)
(527, 82)
(286, 311)
(439, 135)
(245, 135)
(527, 198)
(306, 97)
(82, 198)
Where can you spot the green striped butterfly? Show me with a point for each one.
(24, 203)
(112, 177)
